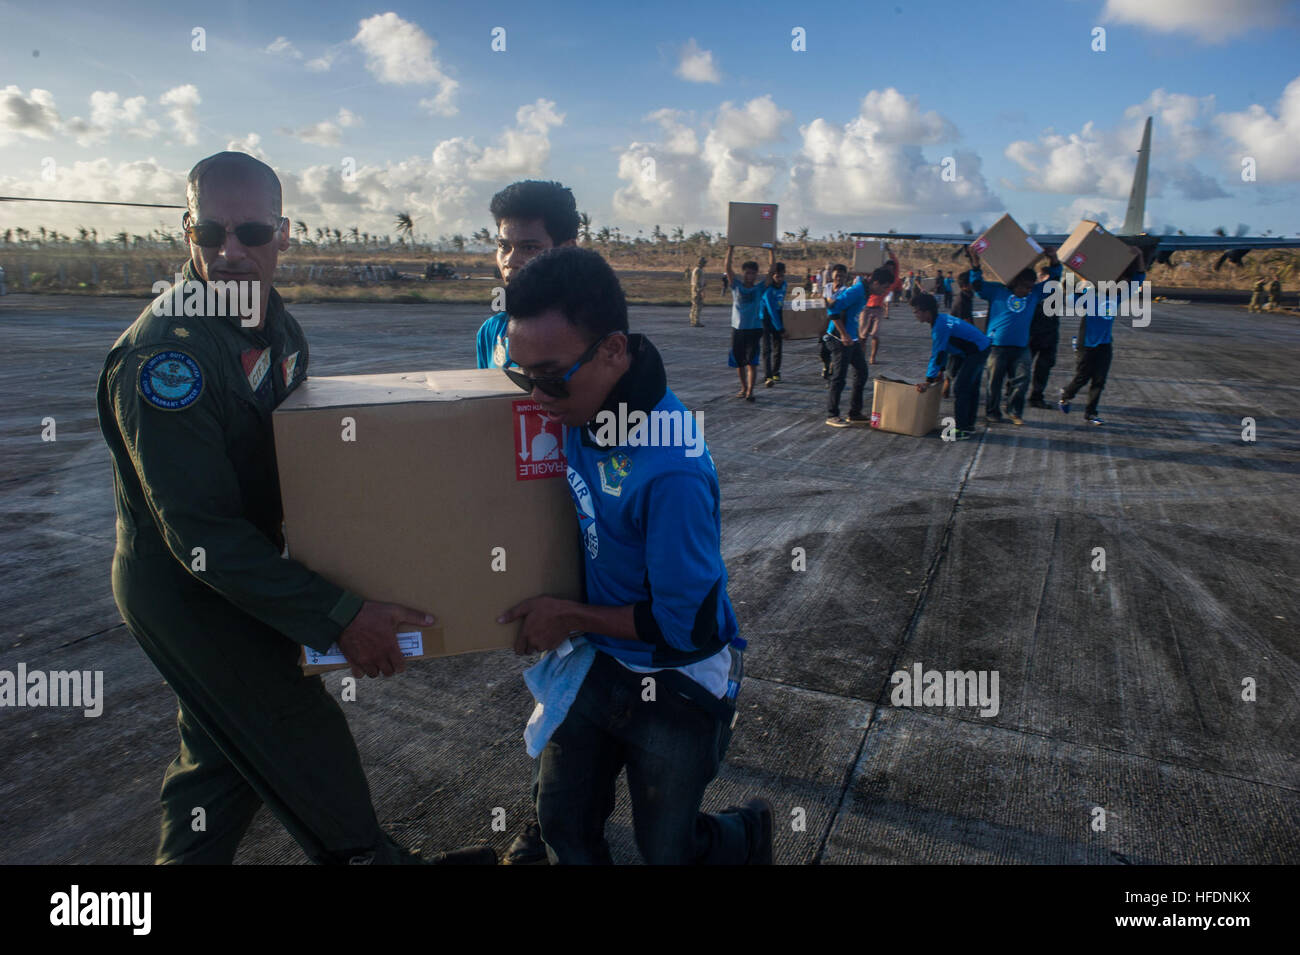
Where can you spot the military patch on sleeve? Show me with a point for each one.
(170, 381)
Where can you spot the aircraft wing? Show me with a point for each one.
(1219, 243)
(938, 238)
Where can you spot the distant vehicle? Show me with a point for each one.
(439, 271)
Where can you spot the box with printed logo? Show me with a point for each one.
(1094, 253)
(752, 224)
(1006, 249)
(868, 256)
(442, 491)
(898, 407)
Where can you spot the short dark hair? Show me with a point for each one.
(239, 164)
(533, 199)
(839, 267)
(746, 266)
(1023, 277)
(703, 261)
(779, 267)
(884, 275)
(576, 281)
(963, 278)
(926, 303)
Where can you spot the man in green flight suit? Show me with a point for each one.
(185, 402)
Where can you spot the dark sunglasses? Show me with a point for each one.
(552, 385)
(211, 235)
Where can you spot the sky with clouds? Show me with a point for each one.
(844, 114)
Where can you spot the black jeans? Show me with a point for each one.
(672, 748)
(1093, 366)
(1042, 350)
(1004, 361)
(771, 349)
(966, 388)
(842, 356)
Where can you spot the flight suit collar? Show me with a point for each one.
(641, 388)
(274, 304)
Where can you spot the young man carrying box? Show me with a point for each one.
(876, 308)
(950, 336)
(1095, 344)
(1011, 308)
(746, 322)
(531, 217)
(640, 676)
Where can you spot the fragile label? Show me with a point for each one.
(411, 644)
(861, 244)
(765, 212)
(875, 419)
(539, 443)
(979, 245)
(1077, 260)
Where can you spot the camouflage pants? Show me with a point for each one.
(696, 302)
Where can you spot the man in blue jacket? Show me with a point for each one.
(773, 330)
(1093, 364)
(531, 217)
(1011, 308)
(642, 681)
(950, 336)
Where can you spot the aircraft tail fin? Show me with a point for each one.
(1137, 197)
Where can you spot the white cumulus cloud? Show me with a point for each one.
(1270, 139)
(696, 65)
(184, 102)
(1213, 21)
(399, 52)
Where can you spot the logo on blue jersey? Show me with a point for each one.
(171, 381)
(613, 471)
(586, 512)
(1016, 304)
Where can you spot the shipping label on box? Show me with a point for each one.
(898, 407)
(313, 661)
(1094, 253)
(441, 491)
(1006, 249)
(539, 443)
(751, 224)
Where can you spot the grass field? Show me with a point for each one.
(651, 274)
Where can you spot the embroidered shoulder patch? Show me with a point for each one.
(170, 381)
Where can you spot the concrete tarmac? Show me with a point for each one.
(1146, 712)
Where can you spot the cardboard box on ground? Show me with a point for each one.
(1006, 249)
(751, 224)
(444, 491)
(1094, 253)
(898, 407)
(868, 256)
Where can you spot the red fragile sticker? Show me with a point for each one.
(979, 245)
(875, 419)
(539, 443)
(1076, 260)
(861, 243)
(765, 212)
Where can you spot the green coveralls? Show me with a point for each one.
(185, 405)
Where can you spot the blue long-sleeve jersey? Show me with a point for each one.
(772, 303)
(1010, 315)
(951, 335)
(492, 334)
(1099, 320)
(847, 306)
(745, 301)
(651, 525)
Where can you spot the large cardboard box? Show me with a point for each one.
(1006, 249)
(1094, 253)
(443, 491)
(808, 322)
(897, 406)
(752, 224)
(867, 256)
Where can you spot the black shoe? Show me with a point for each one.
(528, 848)
(757, 814)
(859, 419)
(1038, 403)
(470, 855)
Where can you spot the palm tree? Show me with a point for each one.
(458, 242)
(338, 237)
(482, 235)
(405, 226)
(320, 234)
(9, 236)
(602, 237)
(354, 234)
(301, 228)
(584, 228)
(43, 234)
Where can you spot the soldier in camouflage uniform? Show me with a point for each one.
(185, 406)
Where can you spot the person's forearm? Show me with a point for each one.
(616, 622)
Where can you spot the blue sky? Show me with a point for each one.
(661, 113)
